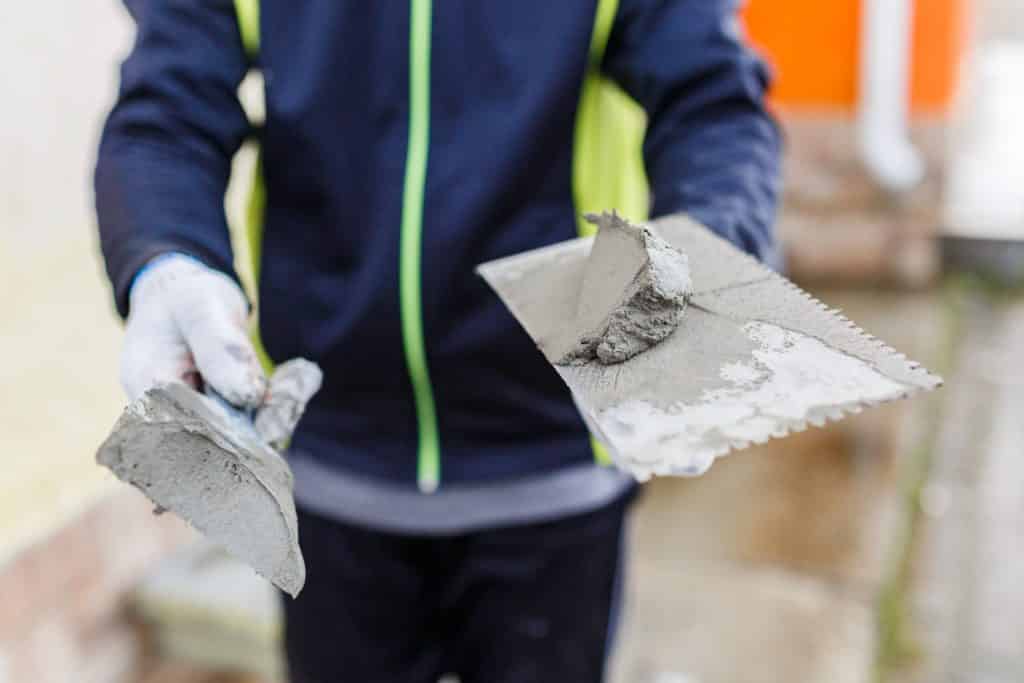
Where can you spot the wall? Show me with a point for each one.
(59, 337)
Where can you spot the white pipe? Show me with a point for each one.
(885, 146)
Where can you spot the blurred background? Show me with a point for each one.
(885, 548)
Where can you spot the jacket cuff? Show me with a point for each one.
(139, 259)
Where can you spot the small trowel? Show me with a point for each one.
(212, 465)
(679, 348)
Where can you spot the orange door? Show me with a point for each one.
(813, 45)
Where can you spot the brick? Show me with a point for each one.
(62, 600)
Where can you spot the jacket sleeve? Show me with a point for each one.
(165, 155)
(711, 150)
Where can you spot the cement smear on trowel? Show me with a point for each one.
(754, 357)
(784, 386)
(634, 294)
(189, 456)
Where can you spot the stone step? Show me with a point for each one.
(207, 609)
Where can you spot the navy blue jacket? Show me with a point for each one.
(504, 84)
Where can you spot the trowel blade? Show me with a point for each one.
(755, 357)
(189, 455)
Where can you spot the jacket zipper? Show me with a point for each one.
(428, 470)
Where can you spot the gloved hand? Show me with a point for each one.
(187, 322)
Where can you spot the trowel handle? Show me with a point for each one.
(246, 415)
(291, 386)
(244, 420)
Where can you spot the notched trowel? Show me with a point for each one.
(679, 348)
(204, 460)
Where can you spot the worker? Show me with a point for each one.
(451, 513)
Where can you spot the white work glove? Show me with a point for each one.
(187, 323)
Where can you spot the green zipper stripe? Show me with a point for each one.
(248, 13)
(429, 453)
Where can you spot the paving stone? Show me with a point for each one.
(967, 605)
(177, 672)
(208, 609)
(739, 624)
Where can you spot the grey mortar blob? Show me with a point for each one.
(634, 294)
(206, 463)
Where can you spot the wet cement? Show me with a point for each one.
(634, 294)
(191, 456)
(289, 388)
(754, 357)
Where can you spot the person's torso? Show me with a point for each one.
(399, 152)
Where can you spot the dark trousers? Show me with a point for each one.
(521, 604)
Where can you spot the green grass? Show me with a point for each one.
(896, 643)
